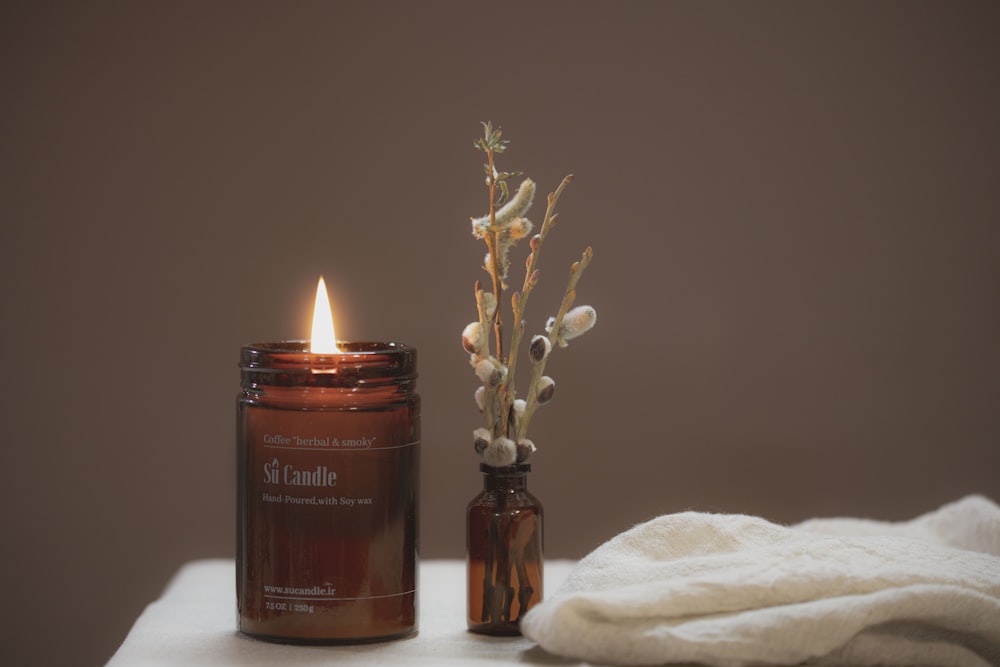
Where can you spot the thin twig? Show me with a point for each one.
(575, 271)
(493, 245)
(530, 280)
(489, 395)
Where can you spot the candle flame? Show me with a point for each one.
(324, 341)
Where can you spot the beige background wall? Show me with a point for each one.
(794, 211)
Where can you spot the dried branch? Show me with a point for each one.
(507, 417)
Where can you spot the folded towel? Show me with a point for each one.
(732, 590)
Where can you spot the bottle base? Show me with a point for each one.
(496, 629)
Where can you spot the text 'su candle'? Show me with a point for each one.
(328, 452)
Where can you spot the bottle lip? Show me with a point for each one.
(516, 469)
(359, 361)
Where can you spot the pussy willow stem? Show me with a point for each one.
(489, 393)
(493, 244)
(575, 271)
(530, 280)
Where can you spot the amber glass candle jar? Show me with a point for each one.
(504, 551)
(328, 450)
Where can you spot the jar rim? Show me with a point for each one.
(291, 363)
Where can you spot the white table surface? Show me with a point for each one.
(194, 623)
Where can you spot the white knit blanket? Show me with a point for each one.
(732, 590)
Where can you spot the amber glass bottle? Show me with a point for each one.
(504, 551)
(328, 450)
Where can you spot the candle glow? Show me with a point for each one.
(324, 340)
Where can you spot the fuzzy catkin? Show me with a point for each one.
(539, 348)
(546, 389)
(506, 214)
(500, 453)
(472, 337)
(576, 322)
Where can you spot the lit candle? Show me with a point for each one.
(328, 460)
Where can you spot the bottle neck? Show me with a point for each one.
(505, 480)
